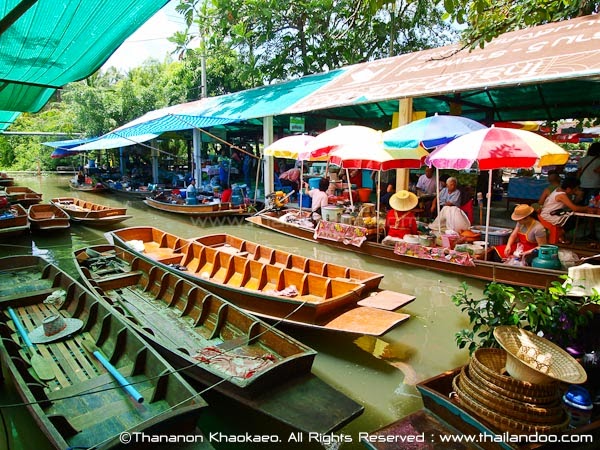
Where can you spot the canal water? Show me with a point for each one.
(378, 372)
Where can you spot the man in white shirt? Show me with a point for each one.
(426, 183)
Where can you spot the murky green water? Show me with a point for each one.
(380, 373)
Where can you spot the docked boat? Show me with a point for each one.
(86, 187)
(13, 221)
(479, 269)
(444, 415)
(210, 209)
(88, 213)
(5, 180)
(290, 294)
(82, 373)
(23, 195)
(215, 343)
(46, 216)
(128, 192)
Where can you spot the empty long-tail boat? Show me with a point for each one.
(86, 383)
(279, 222)
(13, 221)
(47, 217)
(88, 213)
(289, 292)
(216, 343)
(23, 195)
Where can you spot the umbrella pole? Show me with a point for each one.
(487, 214)
(301, 185)
(378, 203)
(349, 189)
(437, 198)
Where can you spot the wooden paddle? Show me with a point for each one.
(91, 348)
(41, 366)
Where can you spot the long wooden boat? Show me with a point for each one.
(483, 270)
(13, 222)
(293, 295)
(200, 210)
(86, 187)
(89, 213)
(136, 194)
(444, 414)
(81, 404)
(23, 195)
(5, 180)
(47, 217)
(216, 343)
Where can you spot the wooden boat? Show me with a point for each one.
(483, 270)
(211, 209)
(23, 195)
(5, 180)
(137, 194)
(444, 414)
(86, 187)
(13, 222)
(269, 290)
(89, 213)
(81, 404)
(47, 217)
(216, 343)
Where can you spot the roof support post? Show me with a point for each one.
(269, 168)
(196, 169)
(154, 154)
(405, 114)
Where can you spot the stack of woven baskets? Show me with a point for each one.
(508, 401)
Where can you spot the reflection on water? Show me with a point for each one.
(378, 372)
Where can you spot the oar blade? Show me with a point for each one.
(42, 367)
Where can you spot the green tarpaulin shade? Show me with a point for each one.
(6, 118)
(46, 44)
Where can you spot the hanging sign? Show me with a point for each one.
(296, 124)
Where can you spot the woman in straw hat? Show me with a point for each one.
(527, 236)
(400, 220)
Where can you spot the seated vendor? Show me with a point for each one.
(449, 196)
(527, 236)
(400, 220)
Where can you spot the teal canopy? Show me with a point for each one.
(46, 44)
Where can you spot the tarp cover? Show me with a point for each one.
(46, 44)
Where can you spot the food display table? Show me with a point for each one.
(437, 253)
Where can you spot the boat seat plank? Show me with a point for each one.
(28, 297)
(319, 286)
(222, 267)
(366, 320)
(256, 275)
(119, 280)
(240, 271)
(273, 279)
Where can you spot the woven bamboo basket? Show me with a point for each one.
(489, 364)
(535, 359)
(507, 406)
(502, 423)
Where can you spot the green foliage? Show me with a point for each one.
(550, 312)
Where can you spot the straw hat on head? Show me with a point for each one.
(53, 328)
(535, 359)
(403, 201)
(521, 211)
(583, 279)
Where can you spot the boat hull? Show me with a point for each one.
(483, 270)
(200, 210)
(47, 217)
(23, 195)
(16, 225)
(83, 405)
(263, 289)
(88, 213)
(98, 187)
(172, 313)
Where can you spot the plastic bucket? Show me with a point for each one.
(331, 213)
(306, 201)
(364, 194)
(313, 183)
(191, 201)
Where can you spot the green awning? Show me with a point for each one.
(7, 118)
(45, 44)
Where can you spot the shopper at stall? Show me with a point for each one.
(426, 183)
(524, 240)
(449, 196)
(558, 208)
(291, 178)
(319, 198)
(400, 220)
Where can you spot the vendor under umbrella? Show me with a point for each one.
(527, 236)
(400, 219)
